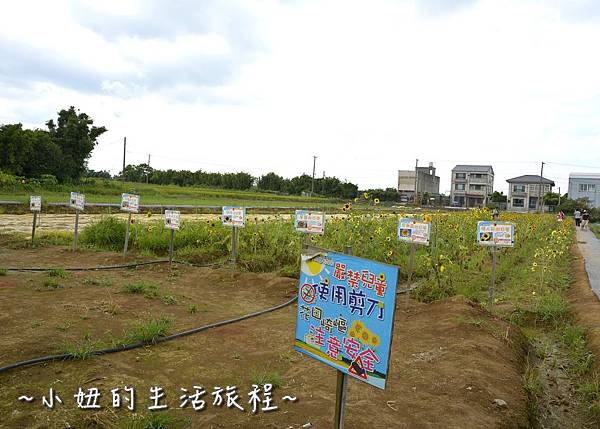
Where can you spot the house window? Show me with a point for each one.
(459, 186)
(587, 187)
(460, 176)
(476, 187)
(518, 202)
(519, 188)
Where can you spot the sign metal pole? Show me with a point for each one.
(233, 245)
(341, 388)
(171, 240)
(76, 235)
(411, 265)
(493, 284)
(126, 245)
(33, 228)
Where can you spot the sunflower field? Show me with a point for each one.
(452, 264)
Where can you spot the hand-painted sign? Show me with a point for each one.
(346, 313)
(35, 203)
(77, 201)
(234, 216)
(309, 222)
(492, 233)
(130, 203)
(172, 219)
(412, 230)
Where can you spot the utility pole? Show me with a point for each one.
(148, 169)
(559, 195)
(312, 187)
(124, 148)
(416, 180)
(540, 203)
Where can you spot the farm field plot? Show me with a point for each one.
(445, 371)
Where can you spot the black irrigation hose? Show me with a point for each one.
(113, 267)
(139, 344)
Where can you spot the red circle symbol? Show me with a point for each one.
(308, 293)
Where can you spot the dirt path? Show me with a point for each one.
(450, 362)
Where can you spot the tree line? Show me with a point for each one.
(61, 150)
(327, 186)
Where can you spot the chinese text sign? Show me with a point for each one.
(172, 219)
(490, 233)
(234, 216)
(346, 313)
(412, 230)
(309, 222)
(130, 203)
(77, 201)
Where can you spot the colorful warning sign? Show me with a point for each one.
(309, 222)
(491, 233)
(234, 216)
(77, 201)
(35, 203)
(412, 230)
(130, 203)
(172, 219)
(346, 313)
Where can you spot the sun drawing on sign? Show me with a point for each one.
(405, 233)
(485, 236)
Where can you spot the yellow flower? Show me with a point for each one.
(376, 200)
(442, 268)
(366, 196)
(427, 218)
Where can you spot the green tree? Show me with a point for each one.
(76, 136)
(271, 182)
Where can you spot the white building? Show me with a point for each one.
(585, 185)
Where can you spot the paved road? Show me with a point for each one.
(590, 248)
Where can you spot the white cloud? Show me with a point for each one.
(365, 87)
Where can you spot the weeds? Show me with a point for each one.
(52, 284)
(149, 331)
(581, 359)
(169, 300)
(532, 383)
(81, 350)
(264, 376)
(58, 273)
(149, 290)
(192, 308)
(162, 420)
(3, 271)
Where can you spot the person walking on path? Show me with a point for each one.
(585, 219)
(577, 215)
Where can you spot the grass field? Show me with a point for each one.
(109, 191)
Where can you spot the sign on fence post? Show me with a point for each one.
(130, 203)
(234, 217)
(309, 222)
(35, 205)
(77, 202)
(495, 234)
(346, 316)
(172, 222)
(413, 231)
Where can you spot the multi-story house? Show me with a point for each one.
(427, 182)
(472, 185)
(585, 185)
(524, 192)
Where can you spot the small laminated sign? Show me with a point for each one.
(35, 203)
(77, 201)
(346, 313)
(172, 219)
(309, 222)
(130, 203)
(234, 216)
(412, 230)
(491, 233)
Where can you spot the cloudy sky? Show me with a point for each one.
(366, 86)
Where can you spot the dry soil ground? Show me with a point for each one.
(449, 362)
